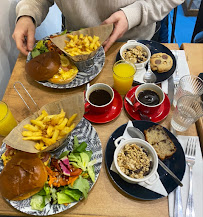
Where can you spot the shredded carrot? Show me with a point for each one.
(72, 180)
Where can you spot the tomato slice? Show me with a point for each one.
(76, 172)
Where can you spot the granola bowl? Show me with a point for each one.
(136, 160)
(136, 53)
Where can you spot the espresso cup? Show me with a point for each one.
(148, 98)
(99, 98)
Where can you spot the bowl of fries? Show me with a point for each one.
(47, 129)
(82, 45)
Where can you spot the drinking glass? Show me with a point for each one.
(188, 110)
(188, 85)
(123, 74)
(7, 121)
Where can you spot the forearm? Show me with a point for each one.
(37, 9)
(145, 12)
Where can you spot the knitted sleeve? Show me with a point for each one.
(145, 12)
(37, 9)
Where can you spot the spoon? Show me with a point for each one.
(142, 116)
(136, 133)
(149, 76)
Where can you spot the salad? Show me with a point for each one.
(68, 177)
(47, 45)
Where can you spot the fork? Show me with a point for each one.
(190, 159)
(176, 78)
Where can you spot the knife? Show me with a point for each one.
(171, 89)
(178, 205)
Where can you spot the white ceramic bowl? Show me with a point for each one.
(149, 179)
(132, 44)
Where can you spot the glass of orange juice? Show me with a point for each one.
(7, 121)
(123, 73)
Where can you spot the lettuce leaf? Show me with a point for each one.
(64, 198)
(82, 185)
(37, 202)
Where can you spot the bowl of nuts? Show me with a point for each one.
(136, 160)
(136, 53)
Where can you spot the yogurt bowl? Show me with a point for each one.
(136, 161)
(136, 53)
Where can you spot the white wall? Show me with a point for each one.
(8, 50)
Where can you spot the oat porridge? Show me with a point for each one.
(135, 55)
(134, 161)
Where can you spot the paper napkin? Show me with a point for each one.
(197, 181)
(183, 68)
(157, 186)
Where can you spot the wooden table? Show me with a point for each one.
(105, 199)
(192, 52)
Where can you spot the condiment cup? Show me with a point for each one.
(148, 109)
(149, 179)
(132, 44)
(98, 108)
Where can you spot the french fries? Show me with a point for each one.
(80, 45)
(47, 129)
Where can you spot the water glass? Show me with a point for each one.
(7, 121)
(123, 74)
(188, 110)
(188, 85)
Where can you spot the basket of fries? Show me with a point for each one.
(82, 45)
(47, 129)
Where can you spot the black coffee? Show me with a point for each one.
(149, 97)
(100, 97)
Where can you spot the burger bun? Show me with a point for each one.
(23, 176)
(43, 66)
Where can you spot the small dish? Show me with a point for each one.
(159, 115)
(133, 44)
(108, 116)
(120, 143)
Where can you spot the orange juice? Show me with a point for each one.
(7, 121)
(123, 73)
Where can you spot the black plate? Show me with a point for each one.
(176, 163)
(156, 47)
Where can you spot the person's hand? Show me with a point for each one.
(24, 34)
(120, 27)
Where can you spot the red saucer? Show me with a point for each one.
(109, 115)
(158, 116)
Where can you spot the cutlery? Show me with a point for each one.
(190, 159)
(142, 116)
(176, 77)
(133, 132)
(149, 76)
(178, 208)
(171, 89)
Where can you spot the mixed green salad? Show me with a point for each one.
(68, 177)
(47, 45)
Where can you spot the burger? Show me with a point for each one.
(23, 176)
(53, 67)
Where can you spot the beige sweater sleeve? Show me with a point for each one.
(37, 9)
(145, 12)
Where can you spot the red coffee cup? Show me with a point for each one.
(99, 98)
(148, 98)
